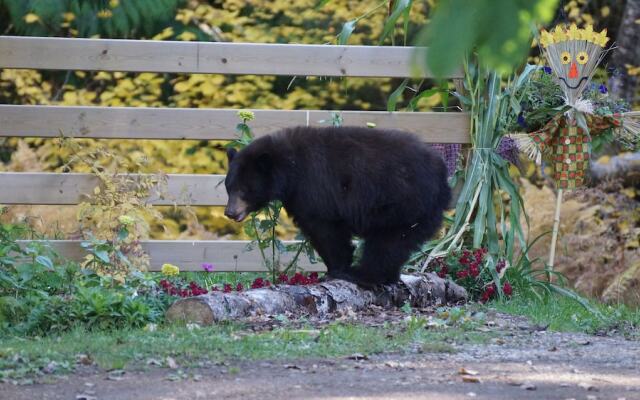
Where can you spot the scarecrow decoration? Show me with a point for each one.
(573, 55)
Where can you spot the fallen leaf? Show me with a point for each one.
(291, 366)
(84, 359)
(587, 386)
(464, 371)
(358, 357)
(528, 386)
(171, 363)
(470, 379)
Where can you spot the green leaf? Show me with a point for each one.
(393, 98)
(398, 9)
(347, 30)
(45, 262)
(498, 30)
(103, 256)
(413, 104)
(321, 4)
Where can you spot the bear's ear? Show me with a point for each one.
(231, 152)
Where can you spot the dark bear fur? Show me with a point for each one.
(385, 186)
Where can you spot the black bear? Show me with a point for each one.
(385, 186)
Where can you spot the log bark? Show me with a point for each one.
(625, 167)
(320, 299)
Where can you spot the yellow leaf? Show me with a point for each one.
(166, 33)
(96, 190)
(31, 18)
(605, 11)
(182, 86)
(68, 16)
(207, 89)
(187, 36)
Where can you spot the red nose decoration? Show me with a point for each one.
(573, 71)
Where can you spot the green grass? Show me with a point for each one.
(20, 358)
(561, 313)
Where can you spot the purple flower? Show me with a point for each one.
(450, 153)
(207, 267)
(602, 88)
(521, 120)
(508, 150)
(547, 69)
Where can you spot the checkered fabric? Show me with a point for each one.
(569, 147)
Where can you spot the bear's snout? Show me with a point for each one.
(236, 209)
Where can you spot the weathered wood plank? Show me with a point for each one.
(225, 255)
(72, 188)
(208, 57)
(205, 124)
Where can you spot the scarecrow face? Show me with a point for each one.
(573, 55)
(573, 74)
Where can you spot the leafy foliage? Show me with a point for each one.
(41, 293)
(499, 31)
(82, 18)
(114, 218)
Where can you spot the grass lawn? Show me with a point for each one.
(21, 358)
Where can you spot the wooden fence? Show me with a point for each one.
(200, 124)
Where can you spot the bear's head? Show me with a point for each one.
(250, 179)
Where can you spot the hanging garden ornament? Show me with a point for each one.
(574, 55)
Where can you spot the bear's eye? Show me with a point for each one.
(582, 57)
(565, 57)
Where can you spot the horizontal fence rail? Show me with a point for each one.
(226, 256)
(49, 188)
(212, 57)
(198, 124)
(205, 124)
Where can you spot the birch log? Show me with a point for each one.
(320, 299)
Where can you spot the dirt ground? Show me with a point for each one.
(523, 363)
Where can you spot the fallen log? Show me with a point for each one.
(625, 167)
(320, 299)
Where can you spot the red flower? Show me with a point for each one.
(443, 271)
(462, 274)
(214, 288)
(257, 283)
(500, 266)
(474, 271)
(507, 289)
(298, 279)
(488, 293)
(478, 254)
(313, 278)
(239, 287)
(283, 278)
(227, 288)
